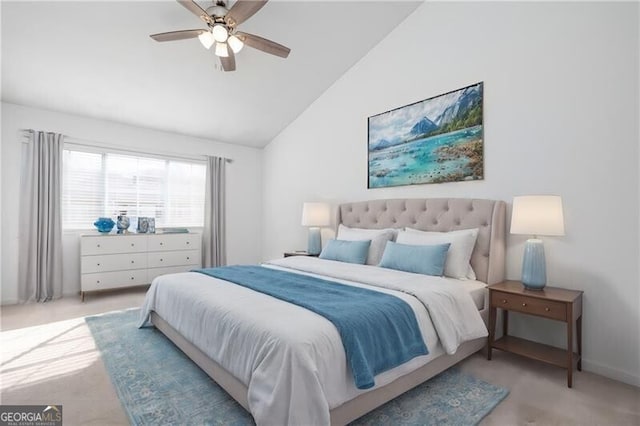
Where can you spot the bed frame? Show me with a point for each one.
(431, 214)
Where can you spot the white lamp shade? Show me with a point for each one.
(220, 33)
(537, 215)
(221, 50)
(207, 40)
(235, 43)
(316, 214)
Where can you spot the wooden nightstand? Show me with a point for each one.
(551, 302)
(299, 253)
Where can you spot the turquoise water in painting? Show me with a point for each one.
(427, 160)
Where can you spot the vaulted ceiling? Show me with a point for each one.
(96, 59)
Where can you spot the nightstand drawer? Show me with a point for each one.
(529, 305)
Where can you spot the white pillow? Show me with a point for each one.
(378, 237)
(462, 243)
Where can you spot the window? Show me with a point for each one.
(99, 184)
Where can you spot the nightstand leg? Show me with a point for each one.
(492, 330)
(570, 347)
(505, 322)
(579, 337)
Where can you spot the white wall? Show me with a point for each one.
(244, 199)
(561, 117)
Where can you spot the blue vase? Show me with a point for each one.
(315, 242)
(534, 273)
(123, 222)
(104, 224)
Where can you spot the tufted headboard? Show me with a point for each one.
(441, 215)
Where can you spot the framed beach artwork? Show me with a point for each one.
(436, 140)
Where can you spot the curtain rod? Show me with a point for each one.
(95, 144)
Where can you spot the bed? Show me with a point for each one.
(284, 366)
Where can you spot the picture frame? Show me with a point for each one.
(143, 225)
(436, 140)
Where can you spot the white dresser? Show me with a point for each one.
(114, 261)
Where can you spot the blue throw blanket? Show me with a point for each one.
(379, 331)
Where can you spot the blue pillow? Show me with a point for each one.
(427, 260)
(346, 251)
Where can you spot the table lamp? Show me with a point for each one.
(536, 215)
(315, 215)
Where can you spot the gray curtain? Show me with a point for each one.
(214, 250)
(40, 233)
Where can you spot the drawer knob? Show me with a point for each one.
(161, 260)
(132, 261)
(132, 244)
(98, 245)
(187, 242)
(524, 304)
(161, 244)
(131, 277)
(504, 300)
(98, 264)
(98, 282)
(188, 258)
(547, 309)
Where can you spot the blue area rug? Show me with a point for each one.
(158, 385)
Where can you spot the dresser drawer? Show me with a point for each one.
(113, 262)
(529, 305)
(173, 258)
(172, 242)
(106, 280)
(113, 244)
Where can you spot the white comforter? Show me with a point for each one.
(291, 359)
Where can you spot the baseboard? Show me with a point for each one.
(610, 372)
(16, 301)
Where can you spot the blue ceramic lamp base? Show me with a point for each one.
(315, 243)
(534, 273)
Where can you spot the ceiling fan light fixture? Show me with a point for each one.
(235, 44)
(221, 50)
(220, 33)
(207, 40)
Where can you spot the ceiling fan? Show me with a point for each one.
(222, 32)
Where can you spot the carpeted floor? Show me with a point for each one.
(158, 384)
(48, 355)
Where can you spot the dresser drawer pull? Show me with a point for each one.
(98, 264)
(98, 245)
(547, 309)
(188, 258)
(161, 260)
(132, 261)
(97, 281)
(132, 278)
(524, 304)
(132, 244)
(188, 243)
(504, 300)
(161, 244)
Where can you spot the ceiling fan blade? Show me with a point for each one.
(263, 44)
(228, 63)
(196, 10)
(176, 35)
(243, 10)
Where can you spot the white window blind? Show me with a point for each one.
(99, 184)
